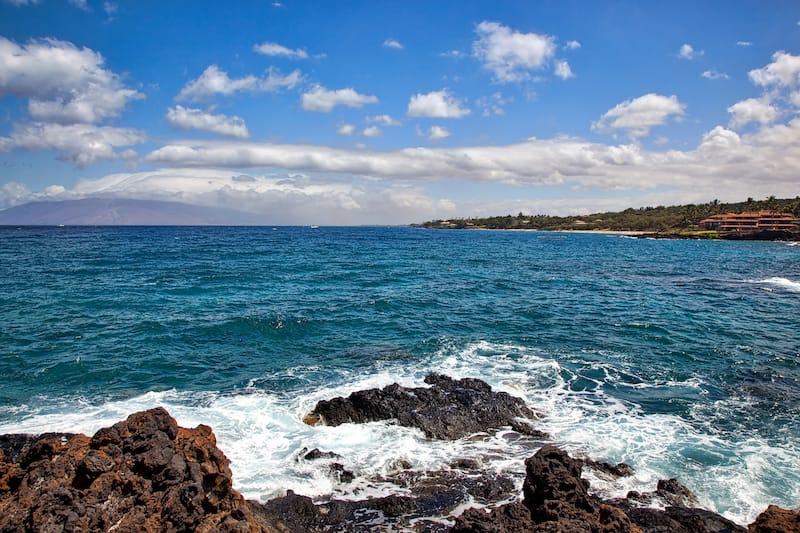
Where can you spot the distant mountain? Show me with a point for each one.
(121, 212)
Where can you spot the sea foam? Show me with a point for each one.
(263, 435)
(781, 283)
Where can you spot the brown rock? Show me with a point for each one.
(142, 474)
(776, 520)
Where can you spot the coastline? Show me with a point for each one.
(147, 473)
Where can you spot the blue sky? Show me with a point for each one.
(396, 112)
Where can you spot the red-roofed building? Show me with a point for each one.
(750, 222)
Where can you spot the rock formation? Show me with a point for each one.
(148, 474)
(448, 409)
(142, 474)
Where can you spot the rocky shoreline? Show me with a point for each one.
(148, 474)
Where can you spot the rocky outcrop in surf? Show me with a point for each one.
(448, 409)
(142, 474)
(147, 474)
(556, 498)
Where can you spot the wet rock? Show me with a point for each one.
(448, 409)
(617, 470)
(340, 474)
(556, 499)
(675, 494)
(316, 453)
(297, 513)
(775, 520)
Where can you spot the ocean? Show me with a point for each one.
(680, 358)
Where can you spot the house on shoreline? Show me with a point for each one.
(752, 222)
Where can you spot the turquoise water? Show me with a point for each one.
(681, 358)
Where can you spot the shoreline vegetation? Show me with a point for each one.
(148, 474)
(672, 222)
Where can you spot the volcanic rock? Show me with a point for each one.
(448, 409)
(142, 474)
(556, 499)
(776, 520)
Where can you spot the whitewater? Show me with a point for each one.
(679, 358)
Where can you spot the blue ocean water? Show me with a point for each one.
(681, 358)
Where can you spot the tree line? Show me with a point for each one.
(655, 219)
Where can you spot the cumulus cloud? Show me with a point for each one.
(563, 71)
(437, 133)
(758, 110)
(715, 75)
(687, 52)
(187, 118)
(436, 104)
(325, 185)
(286, 199)
(345, 129)
(393, 43)
(784, 71)
(572, 45)
(511, 55)
(372, 131)
(81, 144)
(768, 160)
(321, 99)
(275, 49)
(383, 120)
(215, 81)
(63, 83)
(639, 115)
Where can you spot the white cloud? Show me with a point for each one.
(744, 43)
(687, 52)
(783, 71)
(758, 110)
(81, 144)
(436, 104)
(13, 193)
(321, 99)
(638, 115)
(511, 55)
(345, 129)
(493, 105)
(453, 53)
(285, 199)
(715, 75)
(275, 49)
(372, 131)
(437, 133)
(563, 71)
(794, 98)
(766, 162)
(393, 43)
(214, 81)
(196, 119)
(383, 120)
(572, 45)
(110, 8)
(80, 4)
(62, 82)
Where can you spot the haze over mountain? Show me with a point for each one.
(121, 212)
